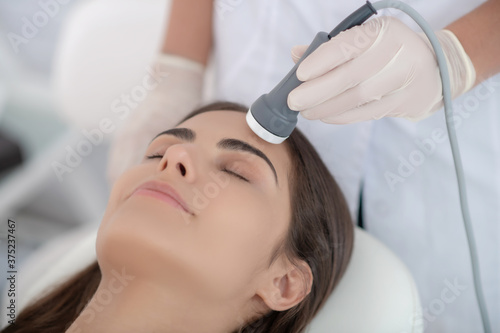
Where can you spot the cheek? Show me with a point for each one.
(242, 217)
(128, 181)
(237, 235)
(150, 239)
(107, 221)
(125, 224)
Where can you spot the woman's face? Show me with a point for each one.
(213, 202)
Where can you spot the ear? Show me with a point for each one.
(287, 285)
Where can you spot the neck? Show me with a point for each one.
(125, 303)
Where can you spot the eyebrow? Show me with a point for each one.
(189, 135)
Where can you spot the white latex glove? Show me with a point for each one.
(379, 69)
(177, 94)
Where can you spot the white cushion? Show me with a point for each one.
(376, 294)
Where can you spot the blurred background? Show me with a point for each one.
(63, 64)
(34, 135)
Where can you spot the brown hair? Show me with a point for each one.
(320, 233)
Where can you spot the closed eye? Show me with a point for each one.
(150, 157)
(232, 173)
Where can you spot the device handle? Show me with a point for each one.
(363, 13)
(290, 81)
(271, 110)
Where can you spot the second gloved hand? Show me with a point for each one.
(379, 69)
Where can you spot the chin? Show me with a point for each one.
(142, 236)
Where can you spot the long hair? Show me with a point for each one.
(320, 233)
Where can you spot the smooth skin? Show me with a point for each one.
(189, 30)
(479, 34)
(207, 270)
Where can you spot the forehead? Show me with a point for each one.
(214, 125)
(226, 121)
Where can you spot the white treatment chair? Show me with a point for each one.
(104, 50)
(376, 295)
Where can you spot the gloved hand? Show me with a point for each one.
(179, 91)
(379, 69)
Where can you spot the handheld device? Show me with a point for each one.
(269, 116)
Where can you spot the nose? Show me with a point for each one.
(178, 161)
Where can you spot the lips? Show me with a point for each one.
(164, 192)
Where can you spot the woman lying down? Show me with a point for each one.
(214, 231)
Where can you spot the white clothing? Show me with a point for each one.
(418, 217)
